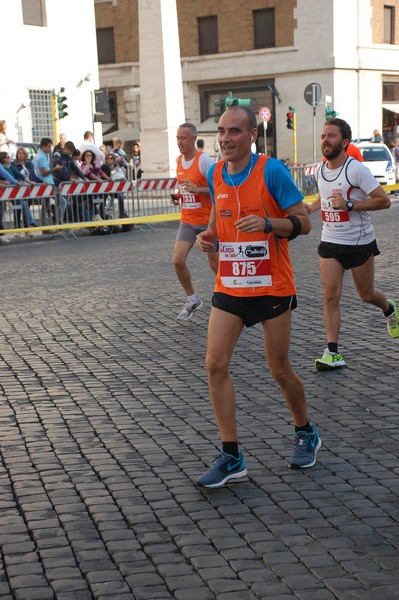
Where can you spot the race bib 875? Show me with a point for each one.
(245, 264)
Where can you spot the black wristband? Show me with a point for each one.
(296, 227)
(268, 226)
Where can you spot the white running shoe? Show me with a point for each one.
(187, 312)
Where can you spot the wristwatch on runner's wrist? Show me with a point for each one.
(268, 226)
(349, 205)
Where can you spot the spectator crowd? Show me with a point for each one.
(65, 163)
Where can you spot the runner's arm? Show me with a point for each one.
(206, 239)
(376, 200)
(282, 227)
(192, 187)
(313, 206)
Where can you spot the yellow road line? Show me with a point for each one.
(103, 223)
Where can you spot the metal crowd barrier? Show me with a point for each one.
(83, 202)
(303, 175)
(153, 197)
(304, 178)
(120, 202)
(18, 203)
(80, 205)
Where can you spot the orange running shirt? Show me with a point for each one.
(196, 208)
(250, 264)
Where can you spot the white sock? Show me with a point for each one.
(192, 299)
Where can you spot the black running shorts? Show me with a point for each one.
(255, 308)
(348, 256)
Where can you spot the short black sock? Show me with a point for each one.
(230, 448)
(333, 347)
(389, 311)
(308, 428)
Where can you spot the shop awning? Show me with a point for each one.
(126, 134)
(392, 107)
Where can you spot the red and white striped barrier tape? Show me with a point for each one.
(310, 170)
(25, 192)
(307, 169)
(97, 187)
(144, 185)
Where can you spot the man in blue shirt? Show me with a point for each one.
(41, 162)
(42, 167)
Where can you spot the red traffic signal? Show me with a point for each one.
(290, 120)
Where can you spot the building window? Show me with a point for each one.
(389, 25)
(105, 45)
(34, 13)
(390, 91)
(264, 28)
(208, 35)
(42, 114)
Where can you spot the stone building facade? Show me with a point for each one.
(268, 51)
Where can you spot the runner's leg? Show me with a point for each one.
(223, 332)
(180, 254)
(331, 274)
(363, 277)
(277, 333)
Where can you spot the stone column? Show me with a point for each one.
(161, 88)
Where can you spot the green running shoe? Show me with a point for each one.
(330, 360)
(393, 320)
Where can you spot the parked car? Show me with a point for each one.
(378, 158)
(31, 148)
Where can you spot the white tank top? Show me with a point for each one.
(354, 182)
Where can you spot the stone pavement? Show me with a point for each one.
(106, 423)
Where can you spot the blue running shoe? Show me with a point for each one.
(224, 468)
(306, 446)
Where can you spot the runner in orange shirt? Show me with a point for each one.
(256, 209)
(192, 165)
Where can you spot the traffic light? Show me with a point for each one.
(230, 100)
(61, 105)
(290, 117)
(330, 113)
(233, 101)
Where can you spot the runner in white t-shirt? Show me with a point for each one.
(347, 192)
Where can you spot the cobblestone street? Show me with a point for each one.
(106, 424)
